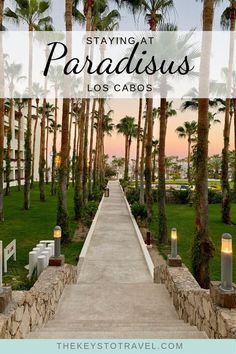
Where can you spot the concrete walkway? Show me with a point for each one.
(115, 296)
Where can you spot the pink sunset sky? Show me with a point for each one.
(114, 145)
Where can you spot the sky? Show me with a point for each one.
(187, 15)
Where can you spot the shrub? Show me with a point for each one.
(180, 197)
(88, 212)
(214, 197)
(132, 195)
(139, 211)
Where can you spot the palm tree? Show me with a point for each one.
(128, 128)
(32, 13)
(62, 211)
(20, 103)
(90, 174)
(188, 130)
(202, 246)
(144, 134)
(228, 20)
(37, 93)
(1, 118)
(214, 166)
(138, 142)
(155, 11)
(154, 153)
(55, 74)
(166, 110)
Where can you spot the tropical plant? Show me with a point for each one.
(166, 110)
(20, 103)
(32, 13)
(188, 131)
(1, 118)
(202, 249)
(128, 128)
(37, 91)
(62, 210)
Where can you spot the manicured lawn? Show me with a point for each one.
(182, 217)
(29, 227)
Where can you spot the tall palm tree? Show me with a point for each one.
(55, 74)
(155, 11)
(20, 103)
(202, 246)
(37, 93)
(188, 131)
(1, 117)
(228, 20)
(138, 141)
(32, 13)
(166, 110)
(90, 174)
(62, 211)
(128, 128)
(154, 153)
(141, 172)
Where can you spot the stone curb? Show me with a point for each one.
(89, 237)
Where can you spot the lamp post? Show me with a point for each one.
(173, 260)
(174, 243)
(58, 161)
(57, 238)
(226, 263)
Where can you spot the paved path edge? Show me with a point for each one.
(143, 246)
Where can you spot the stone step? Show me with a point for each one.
(174, 334)
(108, 326)
(112, 323)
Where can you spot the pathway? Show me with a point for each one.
(115, 296)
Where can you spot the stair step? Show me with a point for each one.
(130, 334)
(90, 326)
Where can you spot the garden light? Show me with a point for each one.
(226, 262)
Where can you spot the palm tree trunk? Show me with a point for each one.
(28, 135)
(69, 139)
(54, 148)
(19, 149)
(34, 141)
(42, 154)
(148, 164)
(8, 153)
(141, 196)
(91, 148)
(62, 212)
(234, 107)
(2, 110)
(162, 224)
(225, 211)
(154, 166)
(189, 160)
(202, 247)
(138, 142)
(225, 168)
(126, 159)
(74, 148)
(85, 168)
(78, 196)
(46, 148)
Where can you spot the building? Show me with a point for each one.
(18, 139)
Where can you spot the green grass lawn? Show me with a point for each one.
(182, 217)
(29, 227)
